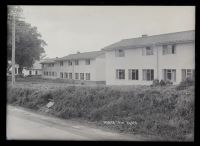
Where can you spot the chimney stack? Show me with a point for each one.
(144, 35)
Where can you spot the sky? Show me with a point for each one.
(68, 29)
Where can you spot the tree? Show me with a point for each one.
(29, 44)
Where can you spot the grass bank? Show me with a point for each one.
(162, 111)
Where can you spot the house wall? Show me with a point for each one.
(25, 72)
(100, 68)
(183, 59)
(81, 68)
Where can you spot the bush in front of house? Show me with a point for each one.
(186, 83)
(164, 112)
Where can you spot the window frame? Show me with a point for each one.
(133, 74)
(119, 53)
(87, 76)
(148, 74)
(87, 62)
(120, 74)
(81, 76)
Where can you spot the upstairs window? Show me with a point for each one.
(87, 61)
(70, 63)
(169, 49)
(147, 51)
(120, 74)
(76, 62)
(61, 63)
(119, 53)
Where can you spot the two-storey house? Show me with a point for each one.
(87, 66)
(138, 61)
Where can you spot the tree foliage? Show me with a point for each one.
(28, 42)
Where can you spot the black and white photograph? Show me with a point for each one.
(100, 73)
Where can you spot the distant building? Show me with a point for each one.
(9, 68)
(35, 70)
(88, 66)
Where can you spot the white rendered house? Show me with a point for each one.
(138, 61)
(35, 70)
(88, 66)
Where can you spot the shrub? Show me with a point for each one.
(186, 83)
(162, 83)
(162, 111)
(155, 82)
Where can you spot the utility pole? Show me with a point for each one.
(13, 50)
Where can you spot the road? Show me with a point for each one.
(28, 125)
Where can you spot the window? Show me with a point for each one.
(47, 73)
(148, 74)
(52, 73)
(120, 74)
(66, 75)
(76, 62)
(187, 73)
(61, 63)
(149, 50)
(87, 76)
(169, 74)
(87, 61)
(169, 49)
(30, 72)
(61, 75)
(36, 72)
(119, 53)
(70, 63)
(76, 76)
(70, 75)
(133, 74)
(82, 76)
(15, 70)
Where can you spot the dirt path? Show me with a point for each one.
(23, 124)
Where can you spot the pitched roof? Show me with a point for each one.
(177, 37)
(85, 55)
(50, 60)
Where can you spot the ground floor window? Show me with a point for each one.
(76, 76)
(66, 75)
(148, 74)
(36, 72)
(87, 76)
(120, 74)
(30, 72)
(133, 74)
(82, 76)
(187, 73)
(47, 73)
(169, 74)
(61, 75)
(15, 70)
(70, 75)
